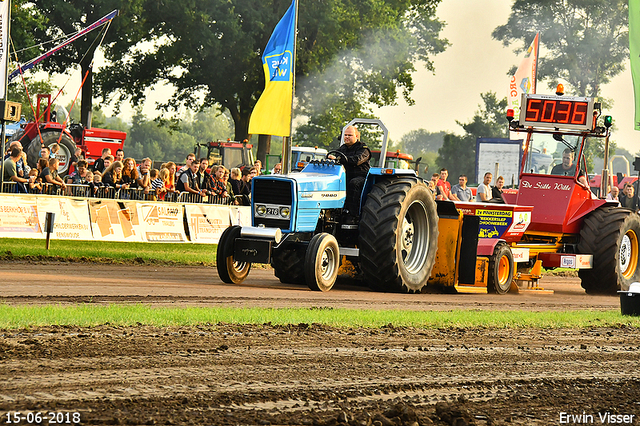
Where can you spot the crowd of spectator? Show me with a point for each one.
(120, 177)
(485, 193)
(197, 181)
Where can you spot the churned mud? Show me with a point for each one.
(304, 374)
(317, 375)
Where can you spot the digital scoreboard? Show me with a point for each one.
(562, 112)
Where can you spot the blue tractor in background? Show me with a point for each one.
(298, 228)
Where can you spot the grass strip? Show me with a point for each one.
(104, 251)
(86, 315)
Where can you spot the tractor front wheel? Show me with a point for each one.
(229, 270)
(398, 235)
(322, 262)
(611, 235)
(288, 265)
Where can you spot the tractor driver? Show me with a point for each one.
(357, 166)
(567, 168)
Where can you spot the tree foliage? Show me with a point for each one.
(56, 19)
(210, 51)
(458, 153)
(585, 42)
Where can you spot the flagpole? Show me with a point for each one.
(535, 77)
(4, 83)
(286, 141)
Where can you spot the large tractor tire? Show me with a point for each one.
(229, 270)
(611, 235)
(398, 235)
(322, 262)
(288, 265)
(67, 148)
(21, 136)
(500, 269)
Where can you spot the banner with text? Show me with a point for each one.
(113, 220)
(19, 217)
(162, 222)
(206, 222)
(71, 217)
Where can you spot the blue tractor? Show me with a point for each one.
(298, 228)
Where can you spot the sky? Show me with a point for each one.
(474, 63)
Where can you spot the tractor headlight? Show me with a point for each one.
(261, 210)
(285, 211)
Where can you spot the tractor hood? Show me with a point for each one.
(317, 187)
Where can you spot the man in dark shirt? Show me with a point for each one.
(356, 167)
(627, 199)
(566, 168)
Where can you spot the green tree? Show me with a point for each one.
(421, 141)
(210, 51)
(458, 153)
(59, 18)
(16, 93)
(585, 42)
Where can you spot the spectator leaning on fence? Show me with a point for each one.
(96, 184)
(219, 186)
(35, 186)
(225, 179)
(79, 176)
(245, 185)
(99, 164)
(191, 157)
(10, 174)
(50, 174)
(144, 174)
(205, 181)
(188, 181)
(129, 173)
(22, 168)
(234, 179)
(112, 176)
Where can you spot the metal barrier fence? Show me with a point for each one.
(134, 194)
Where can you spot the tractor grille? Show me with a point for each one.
(272, 192)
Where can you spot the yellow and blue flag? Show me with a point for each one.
(272, 113)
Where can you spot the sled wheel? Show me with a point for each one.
(500, 269)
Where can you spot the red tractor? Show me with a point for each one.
(47, 129)
(570, 227)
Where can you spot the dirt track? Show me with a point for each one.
(306, 374)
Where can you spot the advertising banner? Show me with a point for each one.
(19, 217)
(206, 222)
(240, 215)
(113, 220)
(71, 217)
(162, 222)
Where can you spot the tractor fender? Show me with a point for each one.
(487, 245)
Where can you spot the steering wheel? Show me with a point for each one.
(342, 158)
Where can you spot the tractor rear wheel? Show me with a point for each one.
(229, 270)
(67, 148)
(288, 265)
(322, 262)
(398, 235)
(611, 235)
(500, 269)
